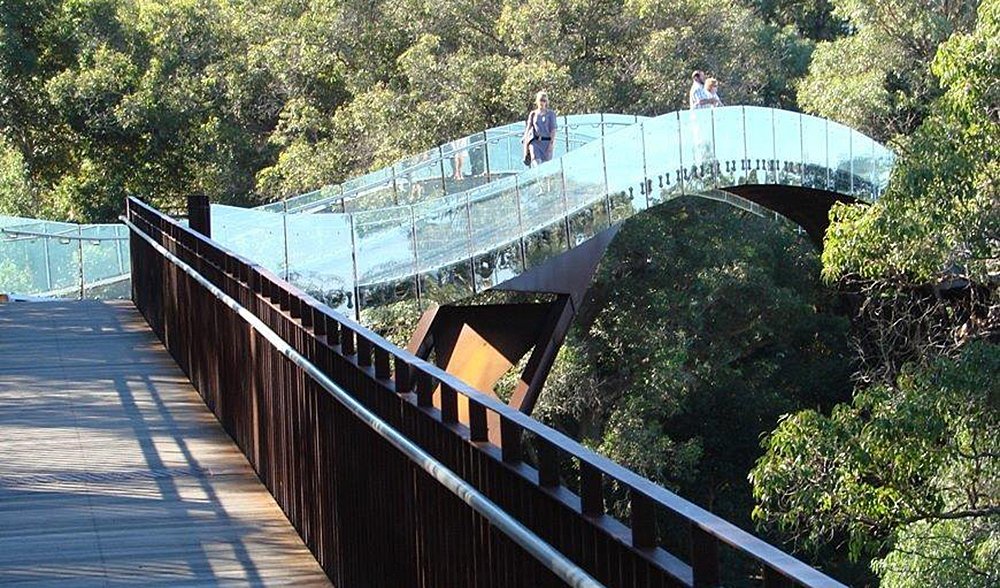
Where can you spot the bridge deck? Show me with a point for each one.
(112, 470)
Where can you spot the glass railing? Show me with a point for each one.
(439, 246)
(451, 168)
(63, 260)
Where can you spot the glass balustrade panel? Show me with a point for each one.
(253, 233)
(464, 163)
(441, 232)
(419, 178)
(730, 146)
(320, 260)
(504, 151)
(759, 129)
(384, 245)
(838, 148)
(584, 184)
(815, 164)
(543, 212)
(628, 187)
(788, 147)
(697, 147)
(884, 161)
(541, 195)
(64, 265)
(661, 144)
(496, 232)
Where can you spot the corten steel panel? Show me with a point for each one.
(368, 514)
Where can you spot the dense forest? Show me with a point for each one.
(845, 405)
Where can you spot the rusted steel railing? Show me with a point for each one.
(371, 515)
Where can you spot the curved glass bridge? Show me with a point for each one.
(468, 216)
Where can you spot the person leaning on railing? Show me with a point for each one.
(539, 132)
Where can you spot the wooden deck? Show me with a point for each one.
(113, 471)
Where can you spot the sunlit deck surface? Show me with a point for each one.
(112, 470)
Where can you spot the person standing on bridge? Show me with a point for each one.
(712, 88)
(539, 138)
(698, 96)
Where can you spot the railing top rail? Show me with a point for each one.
(545, 553)
(711, 524)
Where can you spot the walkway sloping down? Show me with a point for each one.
(113, 471)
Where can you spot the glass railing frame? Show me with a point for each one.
(696, 169)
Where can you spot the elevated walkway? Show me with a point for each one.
(113, 470)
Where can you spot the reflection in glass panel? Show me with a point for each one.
(544, 243)
(441, 232)
(661, 144)
(626, 172)
(884, 160)
(253, 233)
(838, 148)
(63, 265)
(815, 165)
(761, 167)
(730, 145)
(698, 161)
(498, 265)
(371, 195)
(540, 191)
(494, 216)
(505, 154)
(788, 147)
(586, 222)
(863, 165)
(384, 245)
(401, 295)
(583, 176)
(446, 284)
(320, 260)
(464, 163)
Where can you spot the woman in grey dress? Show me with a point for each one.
(540, 131)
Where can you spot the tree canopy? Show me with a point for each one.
(252, 101)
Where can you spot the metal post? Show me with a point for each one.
(486, 156)
(395, 191)
(79, 244)
(284, 228)
(199, 214)
(354, 267)
(444, 183)
(48, 264)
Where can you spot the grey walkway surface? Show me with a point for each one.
(113, 471)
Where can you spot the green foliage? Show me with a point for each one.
(907, 475)
(16, 195)
(876, 79)
(704, 325)
(251, 101)
(911, 462)
(941, 212)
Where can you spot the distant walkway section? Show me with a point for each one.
(112, 470)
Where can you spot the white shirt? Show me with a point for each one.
(696, 95)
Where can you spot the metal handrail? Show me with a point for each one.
(548, 556)
(708, 523)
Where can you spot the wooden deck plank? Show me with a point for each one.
(113, 471)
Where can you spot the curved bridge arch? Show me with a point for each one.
(444, 246)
